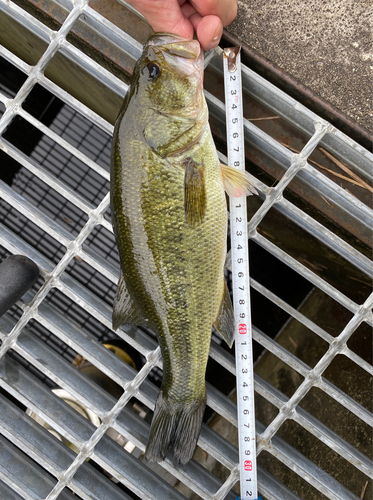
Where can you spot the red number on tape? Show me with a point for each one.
(242, 329)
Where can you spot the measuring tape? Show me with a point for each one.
(241, 280)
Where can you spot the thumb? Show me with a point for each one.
(164, 15)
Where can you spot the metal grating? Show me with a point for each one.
(68, 312)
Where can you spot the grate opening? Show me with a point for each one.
(317, 256)
(299, 486)
(31, 233)
(351, 379)
(96, 283)
(11, 79)
(265, 411)
(279, 373)
(323, 457)
(51, 203)
(102, 242)
(31, 369)
(302, 342)
(81, 84)
(51, 340)
(360, 341)
(82, 319)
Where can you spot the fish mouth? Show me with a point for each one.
(184, 56)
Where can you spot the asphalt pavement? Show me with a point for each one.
(325, 45)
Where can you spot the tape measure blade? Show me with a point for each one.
(241, 280)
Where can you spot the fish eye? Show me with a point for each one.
(153, 70)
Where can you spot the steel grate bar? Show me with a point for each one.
(294, 313)
(302, 118)
(321, 481)
(345, 401)
(77, 292)
(316, 229)
(340, 197)
(61, 372)
(62, 236)
(304, 467)
(105, 77)
(46, 223)
(319, 430)
(75, 473)
(109, 31)
(95, 216)
(45, 176)
(16, 61)
(78, 430)
(53, 455)
(71, 101)
(28, 21)
(27, 478)
(309, 324)
(73, 427)
(311, 178)
(316, 373)
(7, 492)
(272, 490)
(28, 348)
(88, 447)
(324, 235)
(65, 144)
(40, 66)
(309, 275)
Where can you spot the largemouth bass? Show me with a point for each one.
(170, 220)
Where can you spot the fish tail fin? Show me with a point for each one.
(175, 427)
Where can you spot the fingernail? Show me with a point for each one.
(217, 34)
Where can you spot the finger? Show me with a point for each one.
(226, 10)
(165, 16)
(209, 30)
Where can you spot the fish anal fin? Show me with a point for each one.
(236, 183)
(125, 310)
(194, 192)
(224, 322)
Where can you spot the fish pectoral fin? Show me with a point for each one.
(194, 192)
(125, 310)
(236, 183)
(224, 322)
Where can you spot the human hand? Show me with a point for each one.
(182, 17)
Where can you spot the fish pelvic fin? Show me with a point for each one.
(224, 322)
(194, 192)
(236, 183)
(175, 429)
(125, 310)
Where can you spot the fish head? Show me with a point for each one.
(170, 75)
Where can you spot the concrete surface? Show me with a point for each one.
(326, 45)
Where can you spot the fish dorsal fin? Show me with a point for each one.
(236, 183)
(224, 322)
(194, 192)
(125, 310)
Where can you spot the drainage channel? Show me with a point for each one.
(76, 399)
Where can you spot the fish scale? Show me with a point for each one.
(170, 220)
